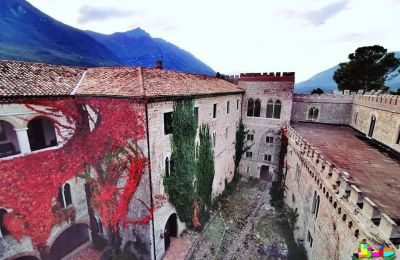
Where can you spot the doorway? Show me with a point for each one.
(171, 230)
(265, 175)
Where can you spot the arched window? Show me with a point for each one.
(64, 195)
(8, 140)
(257, 108)
(270, 108)
(41, 133)
(277, 109)
(250, 107)
(313, 113)
(3, 229)
(167, 166)
(372, 126)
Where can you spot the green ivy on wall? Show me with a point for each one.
(205, 168)
(180, 184)
(241, 146)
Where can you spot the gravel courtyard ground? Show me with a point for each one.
(245, 226)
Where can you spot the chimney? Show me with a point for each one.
(159, 64)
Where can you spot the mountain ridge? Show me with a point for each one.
(28, 34)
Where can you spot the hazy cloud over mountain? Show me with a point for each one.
(93, 13)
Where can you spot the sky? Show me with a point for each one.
(304, 36)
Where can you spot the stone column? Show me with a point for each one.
(23, 140)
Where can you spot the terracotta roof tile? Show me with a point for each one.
(34, 79)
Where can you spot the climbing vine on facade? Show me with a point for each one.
(179, 185)
(205, 168)
(241, 146)
(29, 184)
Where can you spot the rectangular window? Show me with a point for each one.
(237, 104)
(267, 157)
(214, 139)
(250, 137)
(226, 132)
(227, 107)
(196, 114)
(249, 154)
(168, 123)
(215, 111)
(248, 169)
(269, 139)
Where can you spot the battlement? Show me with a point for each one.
(344, 195)
(266, 76)
(323, 98)
(385, 102)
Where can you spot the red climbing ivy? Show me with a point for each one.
(101, 127)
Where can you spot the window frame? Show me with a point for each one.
(228, 104)
(271, 138)
(215, 108)
(250, 137)
(168, 128)
(249, 154)
(268, 157)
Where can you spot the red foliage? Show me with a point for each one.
(29, 183)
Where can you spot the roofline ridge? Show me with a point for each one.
(78, 84)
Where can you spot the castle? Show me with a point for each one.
(341, 164)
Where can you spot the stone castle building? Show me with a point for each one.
(341, 167)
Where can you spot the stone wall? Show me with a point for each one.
(332, 108)
(387, 112)
(340, 223)
(265, 89)
(224, 125)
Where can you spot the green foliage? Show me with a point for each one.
(367, 69)
(179, 185)
(205, 167)
(395, 92)
(318, 91)
(241, 146)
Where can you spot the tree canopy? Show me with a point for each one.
(318, 91)
(366, 69)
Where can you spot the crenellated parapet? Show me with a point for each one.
(266, 76)
(324, 98)
(385, 102)
(355, 208)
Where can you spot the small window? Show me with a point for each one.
(226, 132)
(269, 139)
(248, 169)
(167, 169)
(196, 114)
(168, 123)
(249, 154)
(313, 113)
(3, 229)
(398, 136)
(237, 104)
(250, 137)
(372, 126)
(64, 195)
(355, 117)
(214, 139)
(215, 111)
(227, 107)
(267, 157)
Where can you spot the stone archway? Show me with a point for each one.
(170, 230)
(265, 174)
(41, 133)
(69, 240)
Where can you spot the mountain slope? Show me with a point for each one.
(26, 33)
(138, 48)
(324, 80)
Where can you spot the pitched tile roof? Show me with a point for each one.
(33, 79)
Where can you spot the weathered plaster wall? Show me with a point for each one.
(160, 148)
(333, 108)
(387, 112)
(261, 127)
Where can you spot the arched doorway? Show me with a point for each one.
(372, 126)
(265, 175)
(69, 240)
(41, 133)
(8, 140)
(170, 230)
